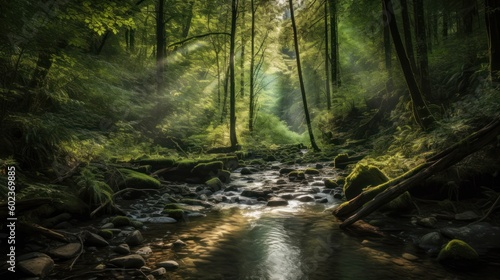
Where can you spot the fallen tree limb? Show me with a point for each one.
(34, 228)
(369, 201)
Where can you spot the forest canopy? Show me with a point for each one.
(99, 80)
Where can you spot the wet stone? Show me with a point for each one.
(67, 251)
(123, 249)
(168, 265)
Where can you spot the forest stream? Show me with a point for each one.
(249, 240)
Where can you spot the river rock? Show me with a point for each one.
(130, 261)
(35, 264)
(481, 236)
(246, 171)
(428, 222)
(122, 249)
(168, 265)
(458, 254)
(92, 239)
(275, 201)
(158, 272)
(179, 243)
(144, 251)
(431, 242)
(254, 193)
(305, 198)
(466, 216)
(159, 220)
(67, 251)
(135, 238)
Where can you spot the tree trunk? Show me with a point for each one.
(252, 74)
(493, 30)
(420, 111)
(368, 203)
(388, 54)
(189, 18)
(327, 62)
(301, 80)
(446, 17)
(160, 45)
(242, 58)
(407, 33)
(232, 97)
(43, 65)
(420, 34)
(468, 8)
(334, 48)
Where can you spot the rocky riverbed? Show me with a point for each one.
(268, 220)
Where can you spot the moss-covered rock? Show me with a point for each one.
(330, 184)
(132, 179)
(214, 184)
(296, 175)
(136, 224)
(363, 176)
(341, 160)
(121, 221)
(224, 176)
(207, 170)
(311, 171)
(458, 254)
(106, 234)
(157, 163)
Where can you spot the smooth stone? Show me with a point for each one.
(107, 226)
(158, 272)
(466, 216)
(67, 251)
(305, 198)
(410, 257)
(135, 238)
(274, 202)
(123, 249)
(144, 251)
(428, 222)
(481, 236)
(168, 265)
(37, 266)
(179, 243)
(431, 242)
(159, 220)
(130, 261)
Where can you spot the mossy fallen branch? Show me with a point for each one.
(372, 199)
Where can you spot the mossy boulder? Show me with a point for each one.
(121, 221)
(224, 176)
(214, 184)
(177, 214)
(172, 206)
(106, 234)
(401, 203)
(207, 170)
(458, 254)
(330, 184)
(341, 160)
(363, 176)
(311, 171)
(133, 179)
(296, 175)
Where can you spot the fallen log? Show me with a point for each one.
(372, 199)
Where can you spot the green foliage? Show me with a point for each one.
(92, 188)
(126, 178)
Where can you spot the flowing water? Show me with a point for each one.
(298, 241)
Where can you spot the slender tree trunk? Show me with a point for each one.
(252, 74)
(301, 80)
(334, 46)
(388, 53)
(420, 111)
(189, 19)
(492, 11)
(327, 62)
(423, 65)
(407, 33)
(160, 45)
(131, 39)
(446, 17)
(468, 8)
(242, 58)
(43, 65)
(232, 98)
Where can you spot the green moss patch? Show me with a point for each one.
(458, 254)
(214, 184)
(330, 184)
(121, 221)
(363, 176)
(341, 160)
(177, 214)
(133, 179)
(311, 171)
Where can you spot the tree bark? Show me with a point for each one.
(301, 79)
(388, 54)
(334, 48)
(242, 58)
(232, 97)
(407, 33)
(160, 45)
(492, 16)
(420, 34)
(409, 180)
(252, 65)
(327, 62)
(420, 111)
